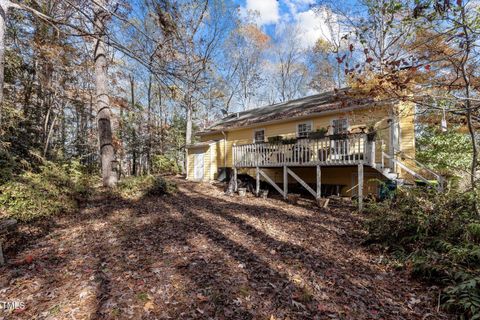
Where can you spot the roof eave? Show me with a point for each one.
(296, 118)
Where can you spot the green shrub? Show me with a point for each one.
(463, 296)
(51, 190)
(162, 164)
(437, 237)
(275, 139)
(81, 178)
(160, 187)
(7, 165)
(447, 152)
(289, 140)
(319, 134)
(473, 232)
(148, 185)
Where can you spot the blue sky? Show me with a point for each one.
(300, 16)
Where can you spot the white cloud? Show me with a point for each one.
(267, 10)
(298, 5)
(312, 26)
(308, 21)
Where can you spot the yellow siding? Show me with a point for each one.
(220, 153)
(406, 116)
(206, 165)
(212, 162)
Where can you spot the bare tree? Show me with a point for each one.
(332, 46)
(107, 152)
(290, 76)
(245, 49)
(198, 31)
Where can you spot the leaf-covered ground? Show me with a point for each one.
(199, 254)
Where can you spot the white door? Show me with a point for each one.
(198, 166)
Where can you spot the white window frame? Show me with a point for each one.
(309, 122)
(254, 133)
(335, 144)
(339, 118)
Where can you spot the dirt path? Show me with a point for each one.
(200, 255)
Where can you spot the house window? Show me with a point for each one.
(340, 146)
(259, 136)
(304, 129)
(340, 126)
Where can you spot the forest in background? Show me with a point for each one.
(172, 68)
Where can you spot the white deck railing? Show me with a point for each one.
(352, 150)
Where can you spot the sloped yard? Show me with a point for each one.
(199, 254)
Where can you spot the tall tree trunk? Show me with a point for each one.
(149, 125)
(3, 18)
(468, 104)
(107, 152)
(188, 129)
(134, 131)
(162, 116)
(49, 135)
(121, 135)
(64, 134)
(188, 134)
(134, 160)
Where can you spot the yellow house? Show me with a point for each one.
(325, 141)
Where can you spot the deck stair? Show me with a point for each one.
(393, 175)
(387, 172)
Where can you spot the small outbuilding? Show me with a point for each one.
(201, 161)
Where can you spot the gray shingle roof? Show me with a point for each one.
(315, 104)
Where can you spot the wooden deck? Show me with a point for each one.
(351, 150)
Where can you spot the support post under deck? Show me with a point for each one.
(319, 182)
(303, 183)
(235, 182)
(360, 187)
(272, 183)
(285, 182)
(257, 178)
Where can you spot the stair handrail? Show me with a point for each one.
(438, 177)
(404, 167)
